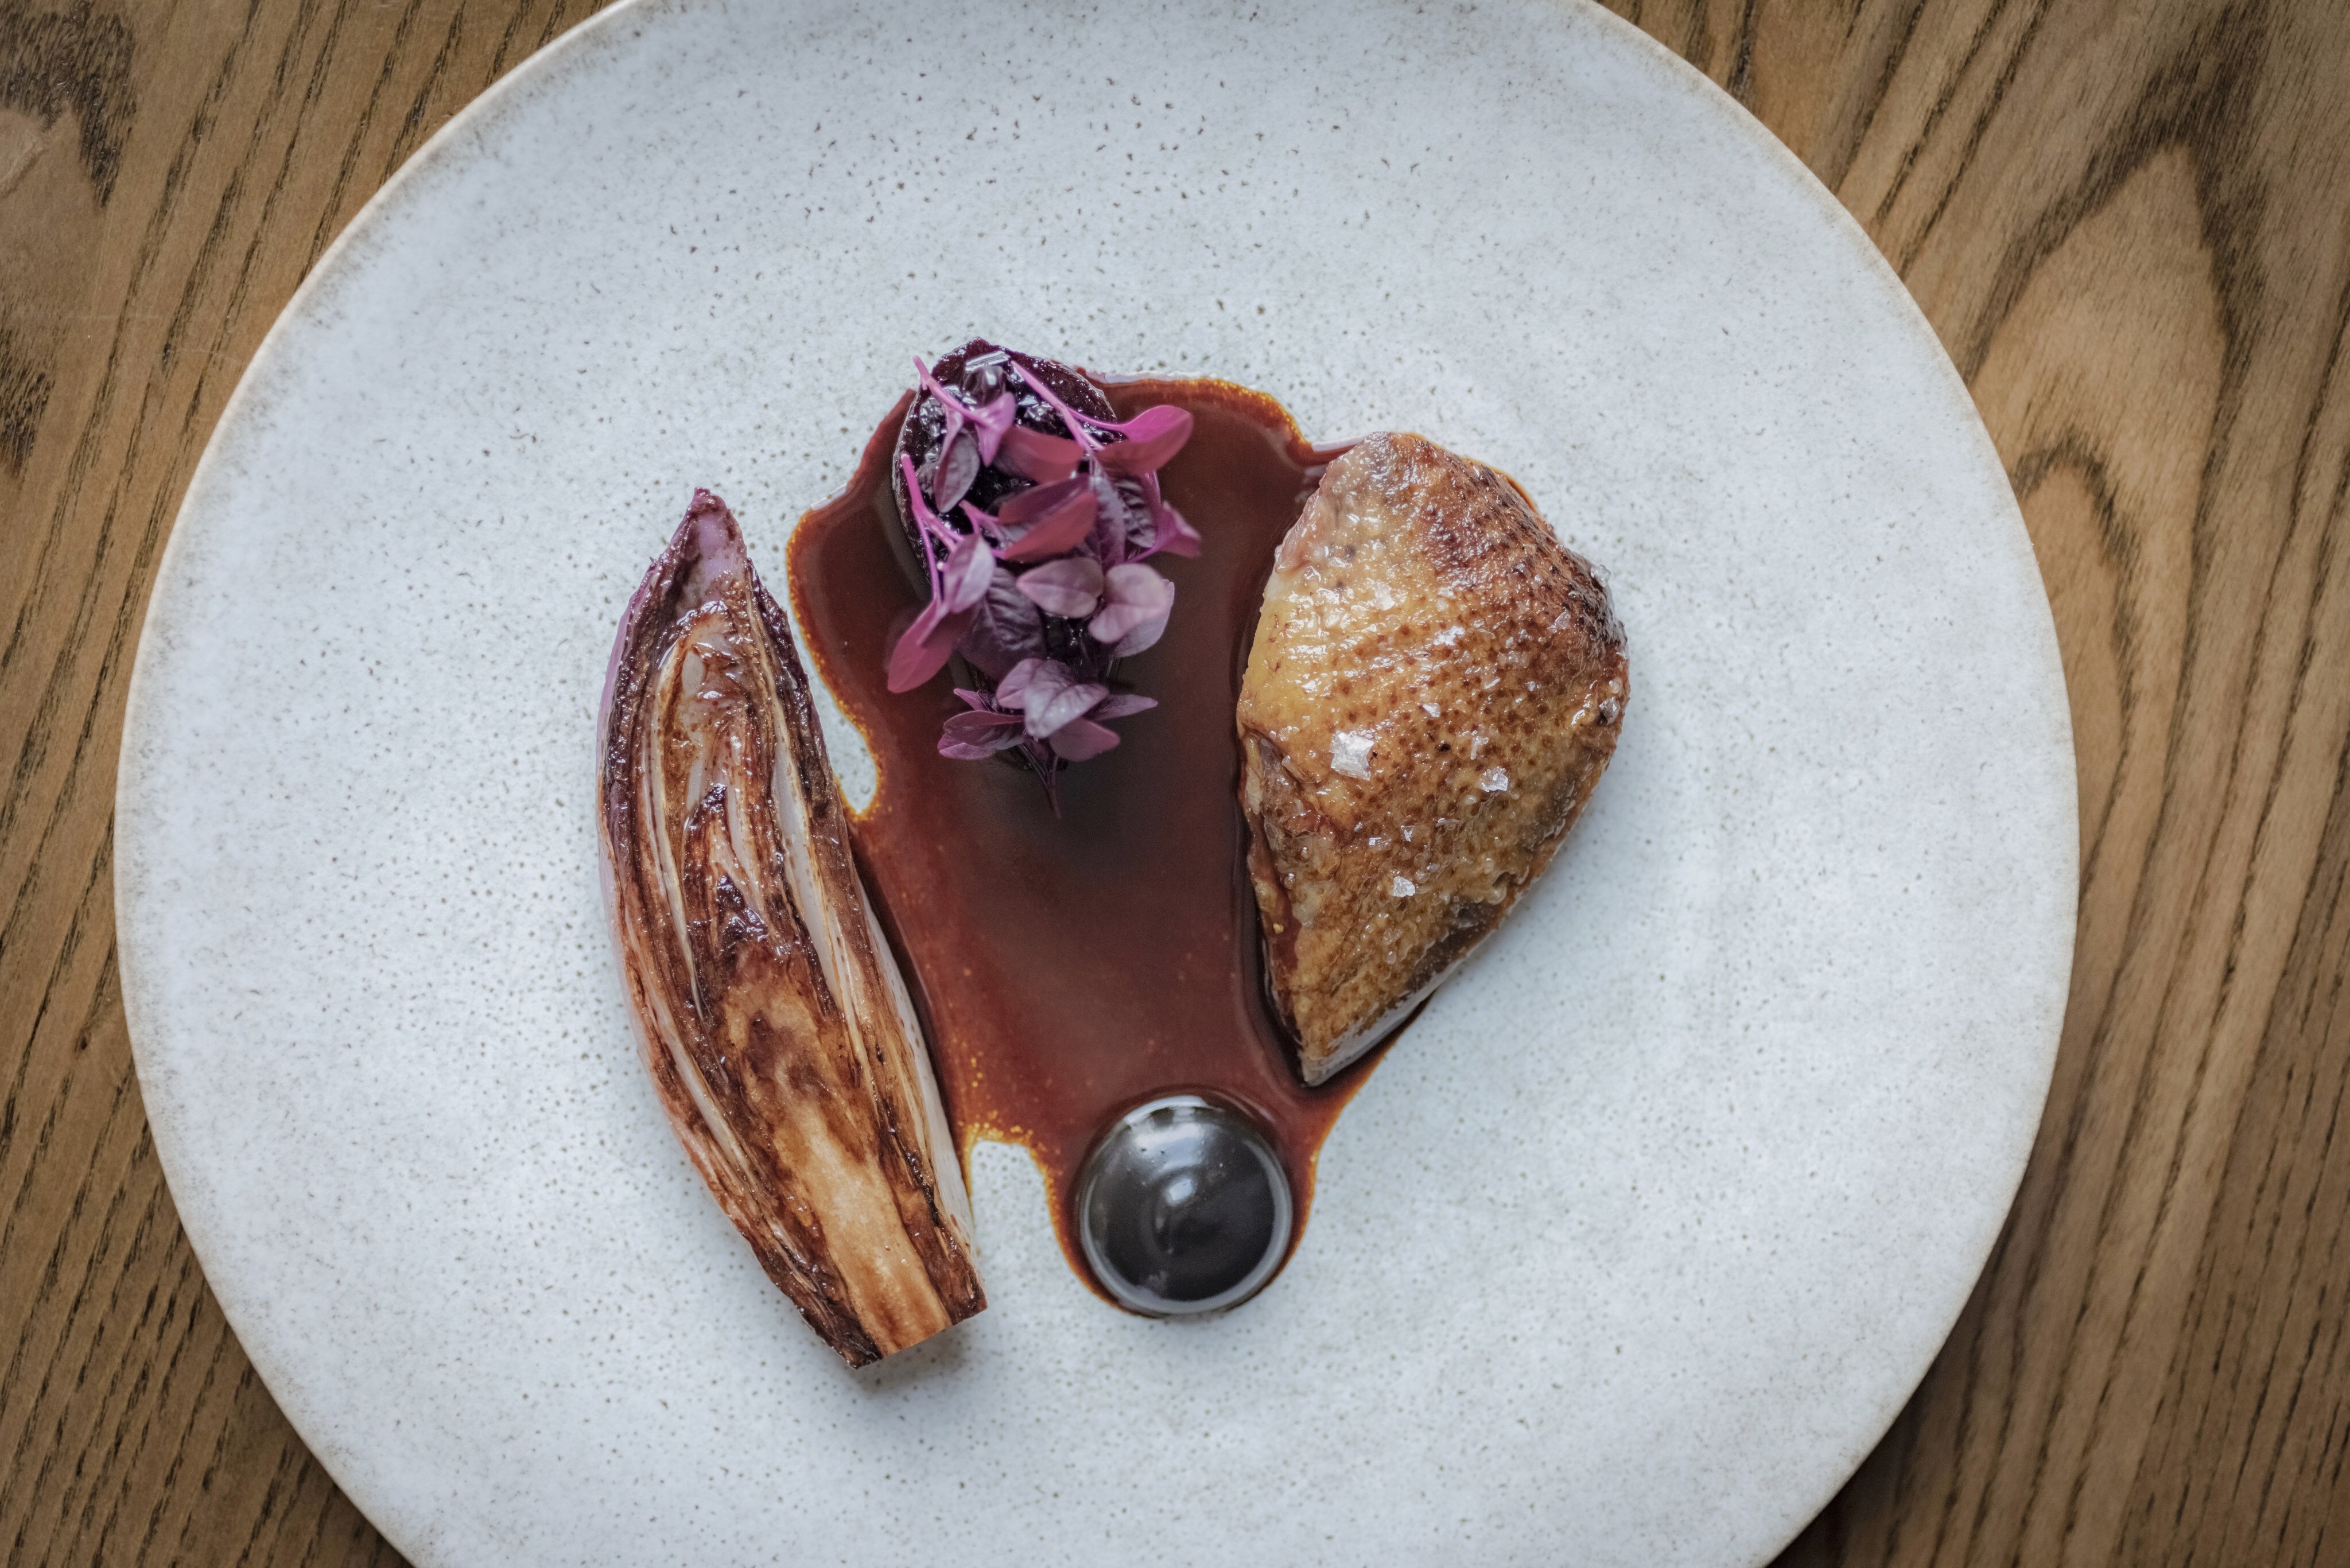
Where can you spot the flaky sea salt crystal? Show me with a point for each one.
(1350, 753)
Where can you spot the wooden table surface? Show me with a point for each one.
(2131, 225)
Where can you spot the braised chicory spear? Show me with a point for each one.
(1033, 511)
(778, 1031)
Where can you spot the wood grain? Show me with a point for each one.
(2131, 225)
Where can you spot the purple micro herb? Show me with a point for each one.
(1032, 509)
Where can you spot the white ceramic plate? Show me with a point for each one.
(1632, 1250)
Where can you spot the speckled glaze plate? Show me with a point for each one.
(1627, 1254)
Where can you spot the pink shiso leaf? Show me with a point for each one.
(1061, 529)
(1069, 587)
(925, 648)
(969, 566)
(1153, 436)
(986, 421)
(1081, 738)
(1137, 600)
(963, 752)
(991, 421)
(1115, 533)
(1005, 628)
(1049, 711)
(981, 720)
(1013, 687)
(1071, 420)
(1023, 510)
(951, 409)
(958, 464)
(986, 526)
(1048, 692)
(1118, 704)
(1176, 536)
(956, 591)
(1033, 454)
(927, 522)
(970, 736)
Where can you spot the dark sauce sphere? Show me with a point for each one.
(1183, 1207)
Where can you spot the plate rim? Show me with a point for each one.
(545, 69)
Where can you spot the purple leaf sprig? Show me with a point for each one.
(975, 434)
(1040, 702)
(1042, 597)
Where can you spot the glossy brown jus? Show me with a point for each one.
(1068, 968)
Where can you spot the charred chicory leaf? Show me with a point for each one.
(778, 1030)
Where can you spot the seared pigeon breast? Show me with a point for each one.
(1435, 687)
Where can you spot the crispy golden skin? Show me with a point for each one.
(1435, 687)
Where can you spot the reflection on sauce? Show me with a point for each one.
(1069, 968)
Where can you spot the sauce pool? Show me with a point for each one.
(1068, 968)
